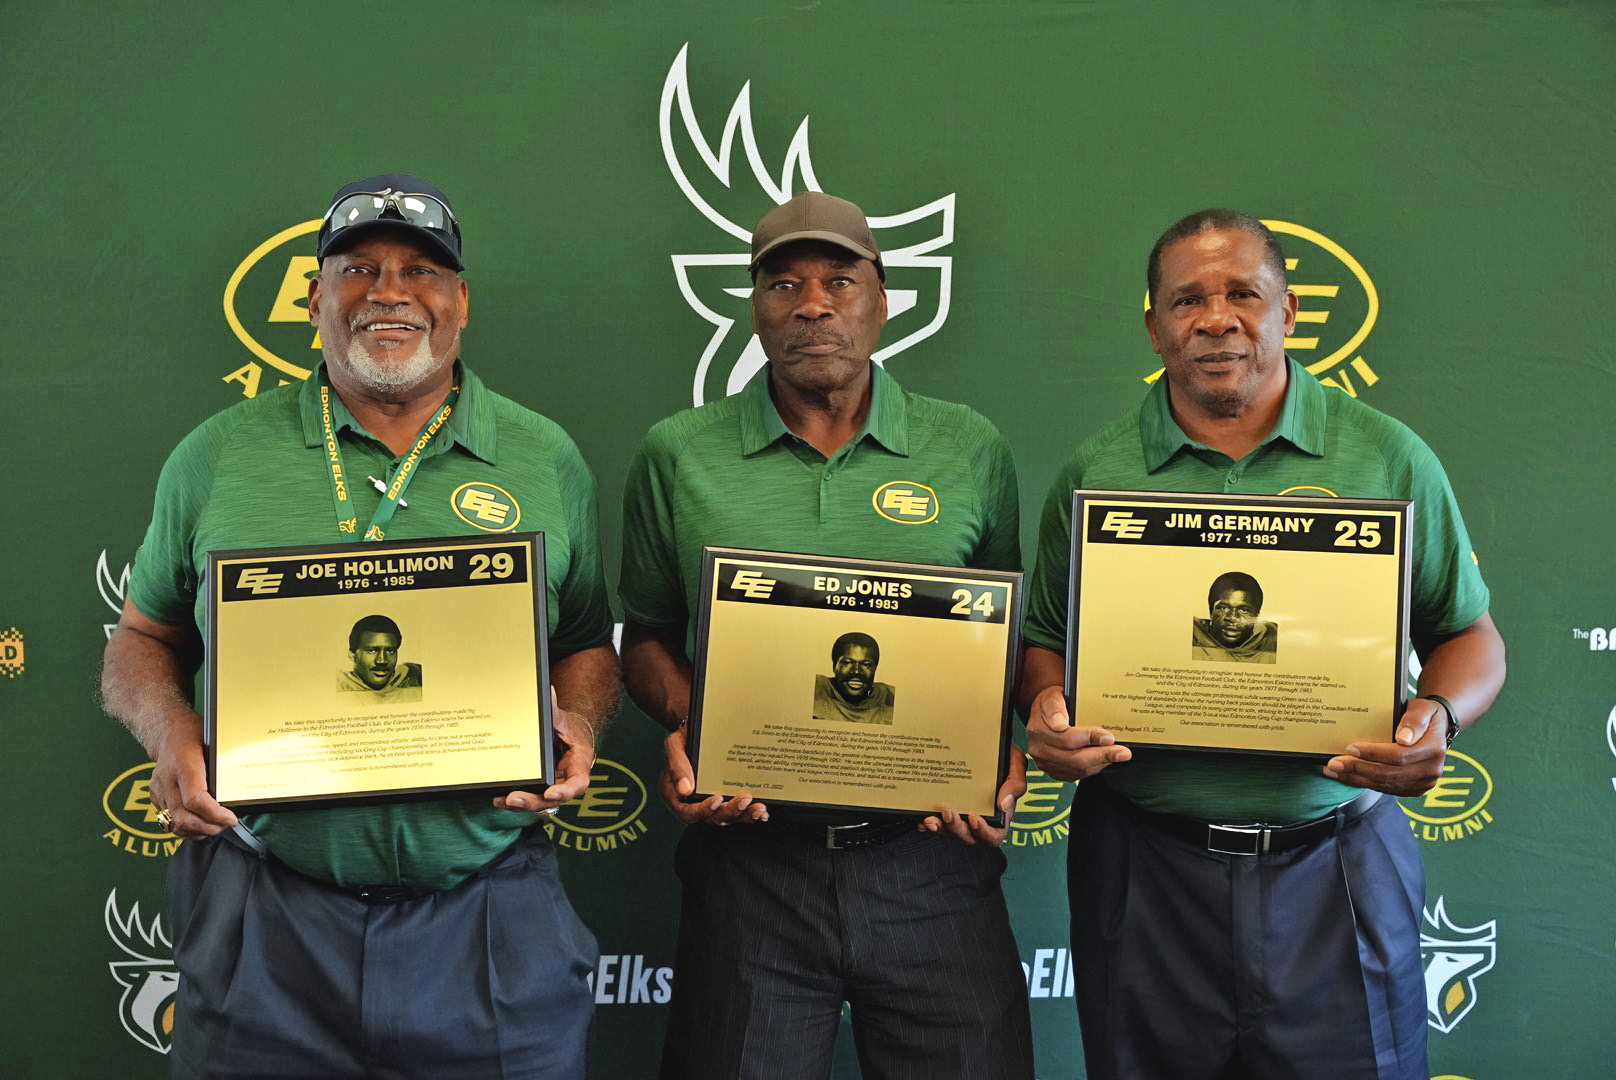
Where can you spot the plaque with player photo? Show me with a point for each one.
(878, 687)
(1261, 624)
(342, 674)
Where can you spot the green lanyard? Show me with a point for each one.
(347, 521)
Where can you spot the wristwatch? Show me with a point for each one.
(1447, 710)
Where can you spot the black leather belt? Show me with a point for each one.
(838, 837)
(1257, 838)
(382, 894)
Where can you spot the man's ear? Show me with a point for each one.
(314, 298)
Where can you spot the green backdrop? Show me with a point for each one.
(1441, 172)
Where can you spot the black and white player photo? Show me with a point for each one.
(850, 692)
(1232, 631)
(373, 647)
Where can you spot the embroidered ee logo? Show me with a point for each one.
(905, 502)
(486, 506)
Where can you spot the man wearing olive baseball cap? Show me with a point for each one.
(364, 940)
(813, 215)
(790, 914)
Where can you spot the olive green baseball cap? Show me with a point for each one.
(813, 215)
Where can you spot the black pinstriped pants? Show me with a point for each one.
(776, 931)
(1197, 965)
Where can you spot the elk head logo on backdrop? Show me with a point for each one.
(715, 283)
(1455, 957)
(112, 588)
(148, 977)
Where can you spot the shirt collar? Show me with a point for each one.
(1301, 419)
(471, 424)
(887, 424)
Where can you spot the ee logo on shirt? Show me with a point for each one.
(486, 506)
(905, 502)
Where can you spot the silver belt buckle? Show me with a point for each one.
(1255, 839)
(831, 832)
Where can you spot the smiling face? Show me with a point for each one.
(389, 315)
(1218, 320)
(853, 673)
(1234, 614)
(376, 658)
(818, 310)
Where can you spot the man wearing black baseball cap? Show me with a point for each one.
(403, 202)
(364, 940)
(787, 915)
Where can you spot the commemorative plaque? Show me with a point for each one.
(847, 683)
(353, 673)
(1225, 622)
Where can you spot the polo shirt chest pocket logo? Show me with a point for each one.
(905, 502)
(488, 507)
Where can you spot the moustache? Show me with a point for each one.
(381, 313)
(816, 337)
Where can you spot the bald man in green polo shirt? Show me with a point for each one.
(363, 940)
(1245, 915)
(786, 917)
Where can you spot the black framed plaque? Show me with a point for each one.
(869, 686)
(1260, 624)
(342, 674)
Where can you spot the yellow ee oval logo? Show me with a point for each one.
(1338, 305)
(1046, 802)
(905, 502)
(1337, 308)
(271, 287)
(488, 507)
(1460, 793)
(127, 802)
(615, 798)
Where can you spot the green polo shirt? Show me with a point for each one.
(731, 474)
(255, 476)
(1325, 444)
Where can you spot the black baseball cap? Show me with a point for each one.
(397, 201)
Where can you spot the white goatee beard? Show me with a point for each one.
(392, 377)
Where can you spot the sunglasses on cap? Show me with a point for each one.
(416, 208)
